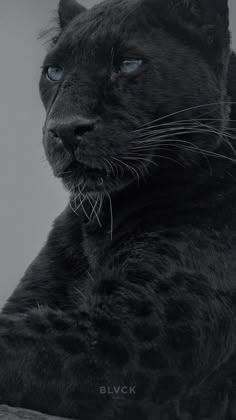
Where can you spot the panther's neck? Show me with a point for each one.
(200, 196)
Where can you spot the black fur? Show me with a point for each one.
(135, 287)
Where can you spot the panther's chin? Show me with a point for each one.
(80, 177)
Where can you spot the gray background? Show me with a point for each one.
(30, 196)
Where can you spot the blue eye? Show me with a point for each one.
(129, 66)
(54, 73)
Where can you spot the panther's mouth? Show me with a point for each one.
(84, 170)
(92, 178)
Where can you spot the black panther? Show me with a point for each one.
(129, 311)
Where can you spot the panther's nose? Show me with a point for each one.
(71, 131)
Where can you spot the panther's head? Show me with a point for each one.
(131, 86)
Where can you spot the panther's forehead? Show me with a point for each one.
(95, 32)
(105, 22)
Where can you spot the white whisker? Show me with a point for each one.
(111, 212)
(94, 209)
(129, 167)
(188, 109)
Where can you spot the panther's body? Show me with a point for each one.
(129, 311)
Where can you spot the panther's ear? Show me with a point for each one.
(208, 19)
(68, 10)
(209, 16)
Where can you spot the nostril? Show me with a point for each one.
(81, 129)
(84, 125)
